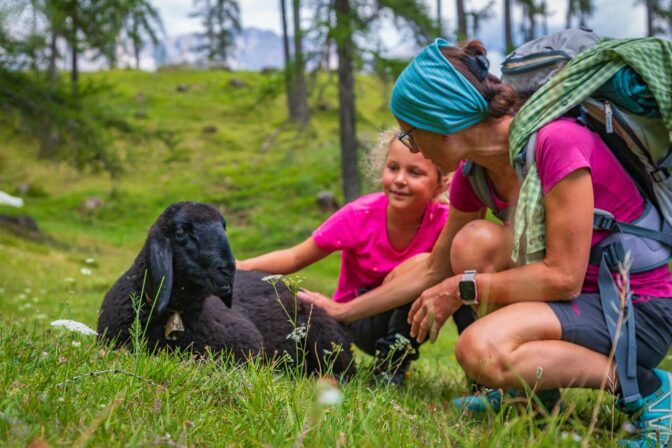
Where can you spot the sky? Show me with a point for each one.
(615, 18)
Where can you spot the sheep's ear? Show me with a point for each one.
(160, 275)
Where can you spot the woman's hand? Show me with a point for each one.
(332, 308)
(434, 306)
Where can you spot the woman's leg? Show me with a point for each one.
(521, 343)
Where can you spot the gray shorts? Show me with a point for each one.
(583, 323)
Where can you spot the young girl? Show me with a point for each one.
(375, 234)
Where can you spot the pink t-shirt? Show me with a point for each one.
(359, 231)
(564, 146)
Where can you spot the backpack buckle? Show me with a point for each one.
(603, 220)
(661, 174)
(614, 254)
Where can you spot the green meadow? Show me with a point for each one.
(62, 388)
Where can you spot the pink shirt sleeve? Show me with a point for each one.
(563, 146)
(336, 233)
(462, 196)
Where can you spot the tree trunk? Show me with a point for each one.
(74, 48)
(461, 21)
(291, 96)
(302, 114)
(508, 32)
(650, 4)
(346, 96)
(439, 16)
(53, 56)
(136, 54)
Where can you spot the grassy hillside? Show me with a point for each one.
(263, 174)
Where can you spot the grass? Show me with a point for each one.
(65, 389)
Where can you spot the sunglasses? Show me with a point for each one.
(407, 139)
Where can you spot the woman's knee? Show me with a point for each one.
(480, 359)
(481, 245)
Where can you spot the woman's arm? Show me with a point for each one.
(569, 228)
(407, 286)
(285, 261)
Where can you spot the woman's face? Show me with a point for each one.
(445, 151)
(410, 181)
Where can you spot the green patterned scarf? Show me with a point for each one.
(649, 57)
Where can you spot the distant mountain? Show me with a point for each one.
(254, 49)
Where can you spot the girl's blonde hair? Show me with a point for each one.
(375, 163)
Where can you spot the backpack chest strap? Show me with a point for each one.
(648, 239)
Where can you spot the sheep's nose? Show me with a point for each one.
(225, 269)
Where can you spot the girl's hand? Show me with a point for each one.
(431, 310)
(320, 300)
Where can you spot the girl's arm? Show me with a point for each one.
(407, 286)
(285, 261)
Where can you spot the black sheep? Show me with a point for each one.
(196, 294)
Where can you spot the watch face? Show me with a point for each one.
(467, 290)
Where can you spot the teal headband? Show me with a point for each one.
(431, 94)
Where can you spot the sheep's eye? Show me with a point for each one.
(180, 233)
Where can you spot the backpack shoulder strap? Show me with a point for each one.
(479, 183)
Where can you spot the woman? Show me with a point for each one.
(548, 314)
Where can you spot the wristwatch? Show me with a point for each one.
(467, 288)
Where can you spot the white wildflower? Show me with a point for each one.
(22, 296)
(272, 279)
(76, 344)
(564, 435)
(75, 326)
(86, 271)
(328, 393)
(90, 260)
(40, 316)
(45, 355)
(27, 290)
(69, 280)
(298, 334)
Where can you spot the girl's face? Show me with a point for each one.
(409, 180)
(445, 151)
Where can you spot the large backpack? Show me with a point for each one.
(640, 141)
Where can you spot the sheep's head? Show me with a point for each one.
(189, 257)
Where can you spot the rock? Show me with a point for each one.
(326, 201)
(22, 222)
(209, 129)
(269, 70)
(182, 88)
(23, 189)
(237, 83)
(90, 204)
(31, 190)
(325, 106)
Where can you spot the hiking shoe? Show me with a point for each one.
(652, 416)
(487, 399)
(491, 399)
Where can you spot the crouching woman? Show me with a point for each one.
(549, 328)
